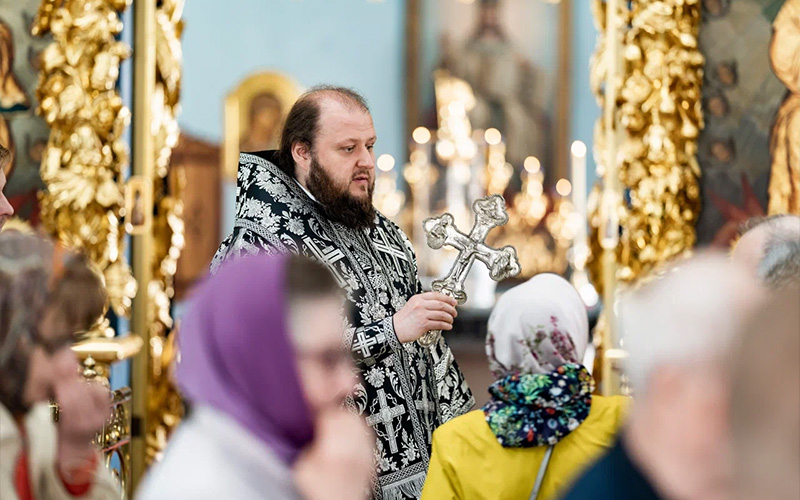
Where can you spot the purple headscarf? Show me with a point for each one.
(237, 354)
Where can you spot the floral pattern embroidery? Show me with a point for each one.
(540, 348)
(529, 410)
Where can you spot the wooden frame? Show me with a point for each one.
(138, 205)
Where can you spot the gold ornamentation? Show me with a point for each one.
(784, 53)
(84, 163)
(645, 147)
(659, 111)
(83, 169)
(164, 405)
(86, 154)
(115, 439)
(96, 356)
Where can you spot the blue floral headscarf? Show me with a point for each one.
(537, 337)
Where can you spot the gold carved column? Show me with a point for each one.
(159, 236)
(647, 74)
(90, 202)
(84, 163)
(83, 169)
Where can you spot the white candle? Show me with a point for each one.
(578, 150)
(580, 246)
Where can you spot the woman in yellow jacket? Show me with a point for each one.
(542, 426)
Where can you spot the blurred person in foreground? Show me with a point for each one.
(766, 403)
(263, 369)
(542, 420)
(46, 296)
(679, 331)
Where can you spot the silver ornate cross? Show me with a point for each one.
(490, 212)
(386, 415)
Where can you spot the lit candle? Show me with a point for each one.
(580, 245)
(385, 163)
(578, 150)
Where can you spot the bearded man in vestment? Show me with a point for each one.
(313, 197)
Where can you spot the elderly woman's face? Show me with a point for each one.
(51, 358)
(326, 370)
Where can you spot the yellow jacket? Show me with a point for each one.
(468, 463)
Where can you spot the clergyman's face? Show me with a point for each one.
(344, 148)
(341, 171)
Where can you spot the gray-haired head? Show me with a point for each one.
(679, 331)
(770, 248)
(688, 317)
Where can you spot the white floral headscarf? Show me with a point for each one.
(536, 327)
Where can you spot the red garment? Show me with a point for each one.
(22, 480)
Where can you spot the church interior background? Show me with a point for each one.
(621, 134)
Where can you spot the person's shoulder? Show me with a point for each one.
(600, 479)
(192, 467)
(614, 403)
(593, 483)
(606, 416)
(263, 158)
(262, 166)
(389, 225)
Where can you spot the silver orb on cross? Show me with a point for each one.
(440, 231)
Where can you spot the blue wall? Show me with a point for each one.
(357, 43)
(585, 111)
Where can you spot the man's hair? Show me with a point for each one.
(754, 222)
(302, 123)
(779, 265)
(765, 401)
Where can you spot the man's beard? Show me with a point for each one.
(337, 203)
